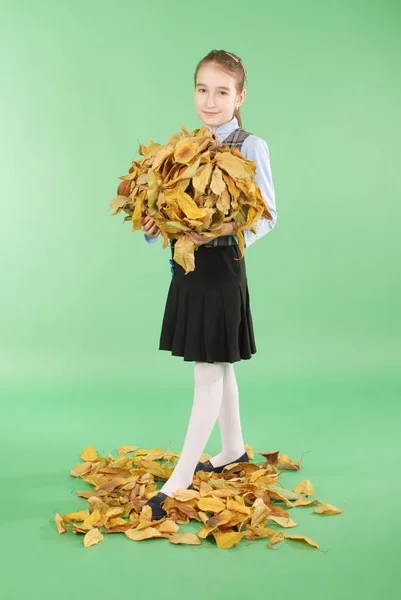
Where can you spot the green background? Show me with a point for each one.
(82, 297)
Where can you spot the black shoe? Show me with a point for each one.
(208, 467)
(157, 500)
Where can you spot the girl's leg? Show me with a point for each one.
(229, 421)
(205, 410)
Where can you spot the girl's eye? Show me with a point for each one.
(203, 90)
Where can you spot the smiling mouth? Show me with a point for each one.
(209, 113)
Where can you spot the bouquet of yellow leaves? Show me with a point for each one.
(192, 183)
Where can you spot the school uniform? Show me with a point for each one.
(207, 316)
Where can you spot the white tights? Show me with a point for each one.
(215, 398)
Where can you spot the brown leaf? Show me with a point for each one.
(271, 457)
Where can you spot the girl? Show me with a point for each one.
(207, 316)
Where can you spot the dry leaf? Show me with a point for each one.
(89, 453)
(143, 534)
(304, 487)
(285, 462)
(301, 538)
(229, 539)
(76, 516)
(185, 538)
(271, 457)
(278, 537)
(60, 524)
(328, 509)
(283, 521)
(81, 469)
(214, 505)
(126, 449)
(301, 502)
(92, 537)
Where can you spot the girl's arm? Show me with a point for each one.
(255, 148)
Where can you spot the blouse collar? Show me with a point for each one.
(226, 128)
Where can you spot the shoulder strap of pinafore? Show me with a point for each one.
(237, 137)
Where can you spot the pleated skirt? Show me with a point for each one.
(207, 316)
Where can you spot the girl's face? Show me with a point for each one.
(216, 97)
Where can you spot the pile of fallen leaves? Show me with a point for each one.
(237, 503)
(192, 183)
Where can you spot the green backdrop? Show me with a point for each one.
(82, 297)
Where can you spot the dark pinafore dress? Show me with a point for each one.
(207, 317)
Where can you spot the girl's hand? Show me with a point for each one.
(149, 226)
(199, 239)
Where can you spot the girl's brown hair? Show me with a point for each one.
(231, 64)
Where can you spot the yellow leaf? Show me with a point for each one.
(76, 516)
(185, 538)
(81, 469)
(202, 177)
(93, 519)
(285, 462)
(213, 505)
(260, 512)
(184, 254)
(328, 509)
(143, 534)
(283, 521)
(168, 526)
(301, 538)
(278, 537)
(301, 502)
(184, 494)
(234, 166)
(185, 152)
(304, 487)
(217, 184)
(229, 539)
(60, 524)
(92, 537)
(89, 453)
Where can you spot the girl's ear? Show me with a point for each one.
(241, 98)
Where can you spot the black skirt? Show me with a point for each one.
(207, 316)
